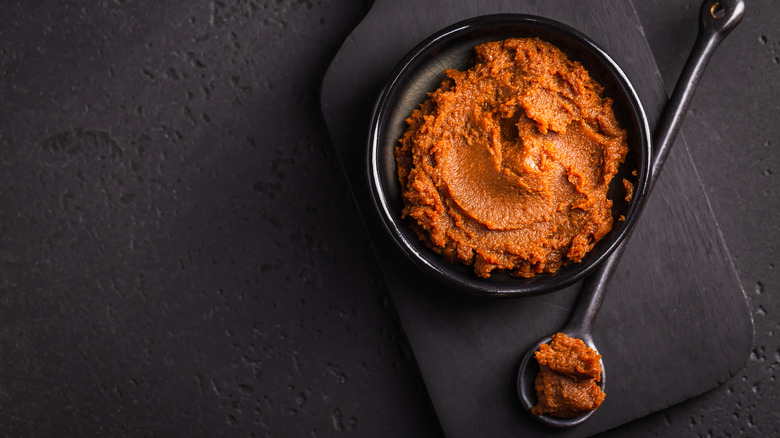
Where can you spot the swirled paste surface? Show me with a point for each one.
(507, 165)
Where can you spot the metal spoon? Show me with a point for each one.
(717, 18)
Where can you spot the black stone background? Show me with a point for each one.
(180, 255)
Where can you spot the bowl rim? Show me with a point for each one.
(391, 220)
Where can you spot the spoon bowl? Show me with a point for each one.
(529, 368)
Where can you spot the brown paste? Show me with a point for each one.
(507, 165)
(566, 384)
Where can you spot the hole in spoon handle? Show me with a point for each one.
(717, 10)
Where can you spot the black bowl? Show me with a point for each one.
(421, 72)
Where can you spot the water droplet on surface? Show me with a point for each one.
(335, 416)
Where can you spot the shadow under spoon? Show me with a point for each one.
(717, 18)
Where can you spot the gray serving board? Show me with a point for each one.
(675, 322)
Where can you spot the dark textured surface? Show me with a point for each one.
(178, 255)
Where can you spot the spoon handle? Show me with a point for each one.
(717, 18)
(592, 295)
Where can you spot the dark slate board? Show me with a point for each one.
(675, 322)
